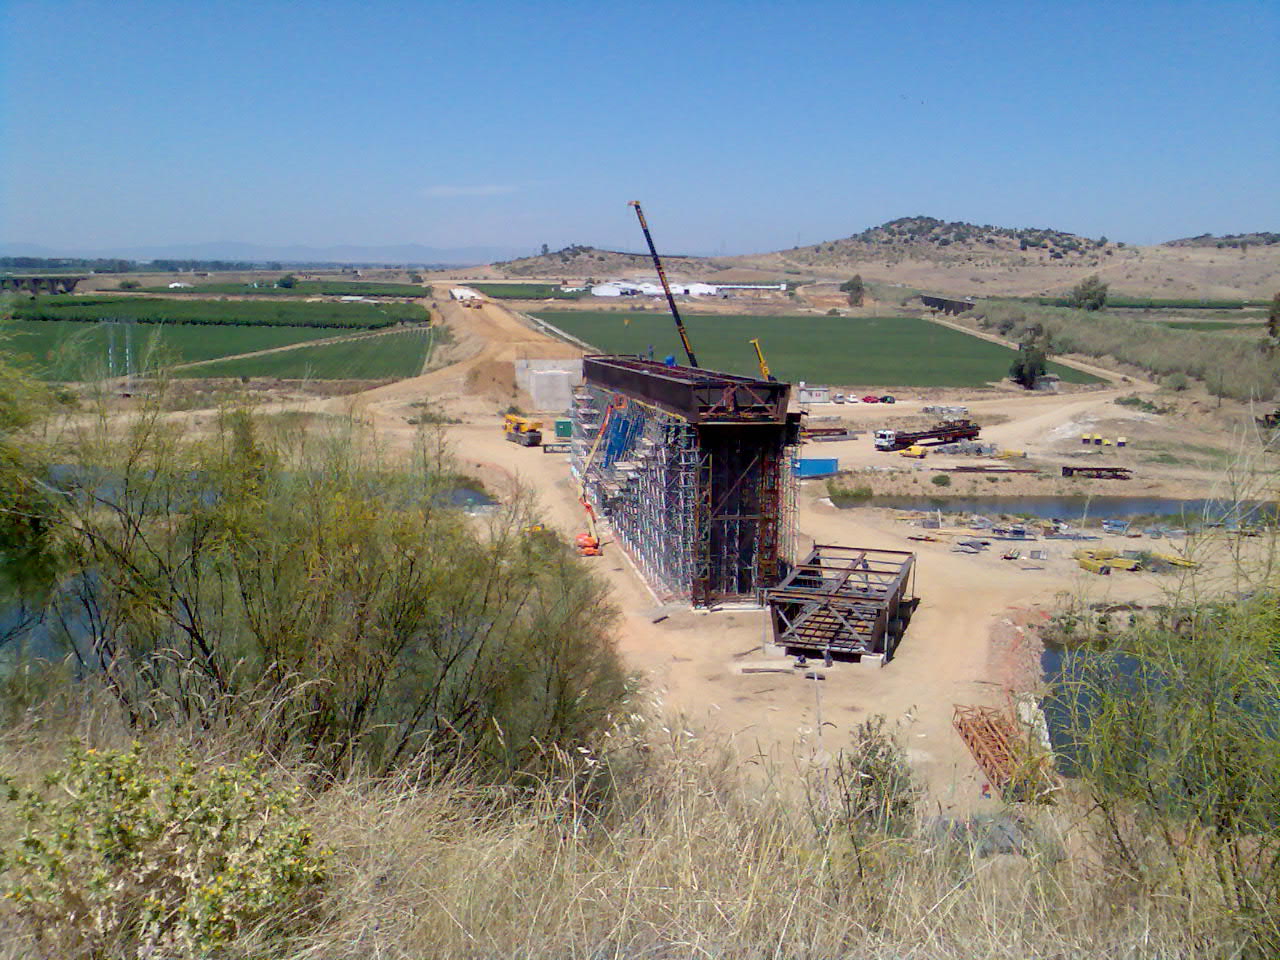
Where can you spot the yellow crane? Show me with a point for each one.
(764, 366)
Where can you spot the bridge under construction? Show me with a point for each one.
(692, 471)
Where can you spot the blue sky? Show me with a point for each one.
(742, 126)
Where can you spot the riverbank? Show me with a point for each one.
(1036, 496)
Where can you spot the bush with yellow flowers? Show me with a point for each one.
(113, 857)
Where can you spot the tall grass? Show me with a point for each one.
(1229, 367)
(663, 847)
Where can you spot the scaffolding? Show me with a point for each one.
(692, 472)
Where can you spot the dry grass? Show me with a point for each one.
(671, 851)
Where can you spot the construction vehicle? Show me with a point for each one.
(588, 544)
(948, 431)
(666, 287)
(527, 433)
(764, 367)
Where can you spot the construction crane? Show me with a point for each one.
(764, 367)
(666, 288)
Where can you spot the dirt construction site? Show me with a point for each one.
(971, 637)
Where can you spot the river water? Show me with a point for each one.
(1076, 509)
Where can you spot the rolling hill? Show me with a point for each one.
(966, 259)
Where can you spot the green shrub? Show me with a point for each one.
(874, 783)
(1089, 294)
(940, 480)
(115, 858)
(842, 495)
(1143, 404)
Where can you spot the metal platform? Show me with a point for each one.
(844, 600)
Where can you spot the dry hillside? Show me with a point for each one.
(579, 262)
(966, 259)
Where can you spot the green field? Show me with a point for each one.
(1117, 301)
(525, 291)
(386, 356)
(878, 351)
(225, 312)
(303, 288)
(72, 350)
(1211, 325)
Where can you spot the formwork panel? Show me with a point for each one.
(843, 600)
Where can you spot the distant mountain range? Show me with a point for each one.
(408, 253)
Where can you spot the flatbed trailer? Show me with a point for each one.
(949, 431)
(1099, 473)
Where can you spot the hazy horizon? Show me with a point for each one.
(742, 127)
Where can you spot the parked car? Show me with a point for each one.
(838, 398)
(870, 399)
(887, 399)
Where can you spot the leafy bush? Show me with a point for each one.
(856, 290)
(1089, 294)
(941, 480)
(842, 495)
(1143, 404)
(304, 570)
(1028, 366)
(114, 858)
(1171, 731)
(874, 783)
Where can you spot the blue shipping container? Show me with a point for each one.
(816, 466)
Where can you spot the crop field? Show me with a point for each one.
(386, 356)
(524, 291)
(877, 351)
(285, 313)
(1121, 302)
(73, 350)
(1208, 326)
(303, 288)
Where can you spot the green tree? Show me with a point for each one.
(1171, 731)
(305, 571)
(288, 281)
(855, 288)
(1273, 318)
(1089, 294)
(1028, 366)
(129, 285)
